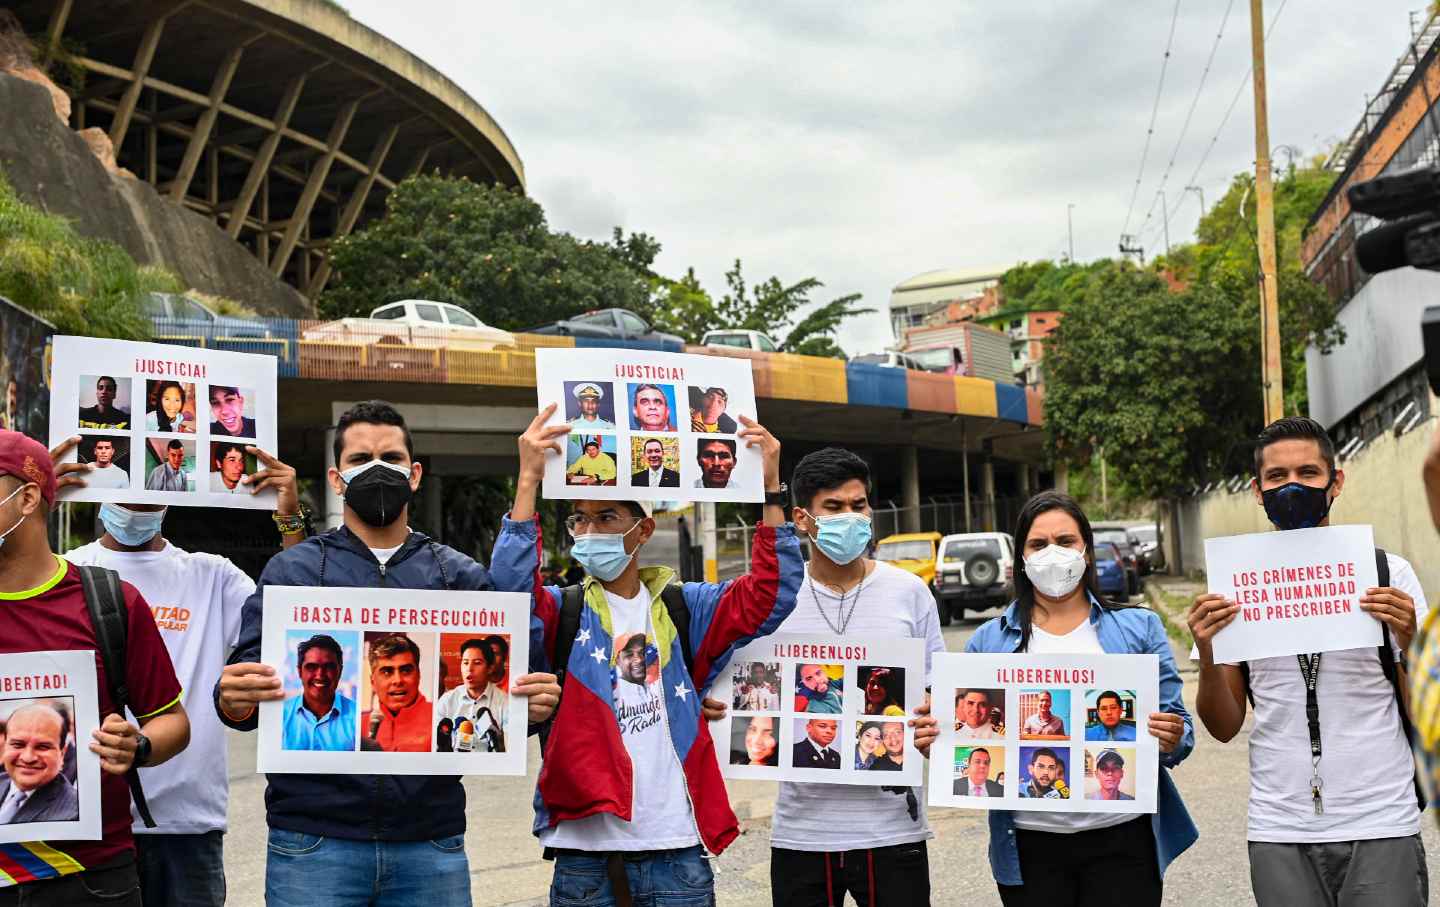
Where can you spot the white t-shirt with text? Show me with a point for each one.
(661, 818)
(196, 600)
(1083, 640)
(1366, 764)
(834, 817)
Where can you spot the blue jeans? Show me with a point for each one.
(312, 871)
(181, 870)
(658, 878)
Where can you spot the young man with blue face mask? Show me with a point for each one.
(837, 837)
(1342, 827)
(196, 600)
(634, 800)
(370, 839)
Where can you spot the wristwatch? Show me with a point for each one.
(778, 498)
(142, 750)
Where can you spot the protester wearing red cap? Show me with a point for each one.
(44, 609)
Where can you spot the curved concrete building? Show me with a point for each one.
(285, 121)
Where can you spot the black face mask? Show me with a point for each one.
(379, 495)
(1295, 505)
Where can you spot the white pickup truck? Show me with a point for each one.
(413, 322)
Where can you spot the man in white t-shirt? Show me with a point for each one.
(1353, 838)
(477, 701)
(196, 600)
(856, 839)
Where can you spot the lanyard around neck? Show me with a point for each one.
(1310, 672)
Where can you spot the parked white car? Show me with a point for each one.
(414, 322)
(973, 570)
(742, 340)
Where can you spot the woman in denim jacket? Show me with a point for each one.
(1080, 859)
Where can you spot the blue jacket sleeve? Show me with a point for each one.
(514, 565)
(1172, 698)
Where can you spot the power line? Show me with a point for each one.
(1239, 89)
(1154, 111)
(1189, 115)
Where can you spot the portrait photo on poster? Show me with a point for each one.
(1045, 714)
(652, 407)
(232, 411)
(474, 679)
(589, 406)
(817, 745)
(591, 460)
(654, 461)
(397, 692)
(169, 464)
(755, 740)
(104, 401)
(756, 685)
(230, 463)
(1110, 715)
(716, 459)
(979, 770)
(393, 681)
(110, 457)
(883, 689)
(820, 688)
(170, 406)
(1109, 773)
(322, 690)
(871, 748)
(979, 714)
(710, 411)
(49, 778)
(1044, 772)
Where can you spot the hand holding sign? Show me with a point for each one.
(68, 475)
(1209, 615)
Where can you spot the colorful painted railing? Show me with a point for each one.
(321, 351)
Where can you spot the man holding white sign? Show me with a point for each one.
(338, 827)
(630, 797)
(1332, 780)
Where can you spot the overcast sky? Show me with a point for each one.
(864, 143)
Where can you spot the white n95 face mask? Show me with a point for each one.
(1055, 571)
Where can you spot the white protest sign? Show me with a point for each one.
(1045, 733)
(163, 424)
(649, 426)
(48, 702)
(822, 709)
(1299, 591)
(395, 681)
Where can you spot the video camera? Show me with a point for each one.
(1410, 205)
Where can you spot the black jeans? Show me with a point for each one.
(1106, 867)
(182, 870)
(114, 885)
(898, 875)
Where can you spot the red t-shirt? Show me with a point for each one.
(54, 617)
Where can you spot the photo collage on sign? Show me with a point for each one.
(155, 435)
(639, 434)
(1056, 743)
(398, 692)
(821, 717)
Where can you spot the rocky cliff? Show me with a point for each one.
(52, 167)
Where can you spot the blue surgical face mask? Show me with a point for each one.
(1296, 505)
(603, 554)
(842, 536)
(8, 499)
(131, 528)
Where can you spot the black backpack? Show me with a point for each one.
(111, 620)
(572, 602)
(1388, 667)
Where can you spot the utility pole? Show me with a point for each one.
(1104, 486)
(1165, 216)
(1070, 223)
(1271, 383)
(1128, 247)
(1200, 192)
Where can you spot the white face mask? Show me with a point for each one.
(1055, 571)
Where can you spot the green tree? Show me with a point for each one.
(487, 249)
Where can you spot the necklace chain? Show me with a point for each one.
(840, 613)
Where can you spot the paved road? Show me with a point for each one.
(507, 870)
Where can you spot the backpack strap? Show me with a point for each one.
(674, 597)
(1391, 670)
(572, 602)
(110, 619)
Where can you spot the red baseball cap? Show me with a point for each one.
(28, 460)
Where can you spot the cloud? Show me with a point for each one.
(865, 143)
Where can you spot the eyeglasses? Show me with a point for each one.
(609, 521)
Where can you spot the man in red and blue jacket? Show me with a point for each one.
(630, 797)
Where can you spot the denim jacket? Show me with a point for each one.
(1122, 631)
